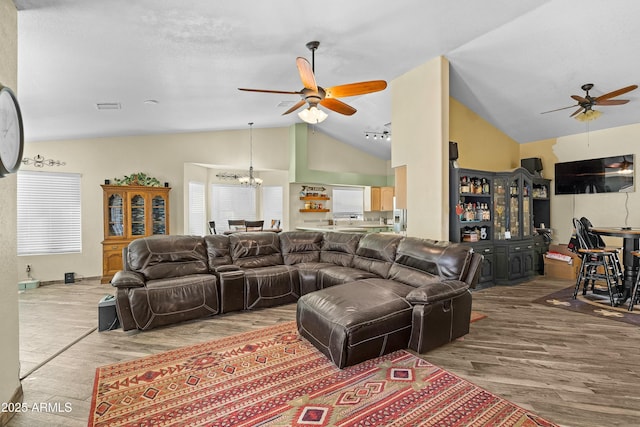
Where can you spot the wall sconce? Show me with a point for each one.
(40, 162)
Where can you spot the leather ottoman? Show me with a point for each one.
(356, 321)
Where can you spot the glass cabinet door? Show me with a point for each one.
(159, 215)
(115, 212)
(527, 207)
(137, 220)
(500, 188)
(514, 208)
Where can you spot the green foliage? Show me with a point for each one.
(139, 178)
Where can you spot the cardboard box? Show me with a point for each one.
(557, 269)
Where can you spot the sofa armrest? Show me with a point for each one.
(225, 268)
(128, 279)
(433, 292)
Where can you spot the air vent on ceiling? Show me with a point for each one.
(108, 106)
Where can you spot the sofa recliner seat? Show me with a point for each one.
(426, 289)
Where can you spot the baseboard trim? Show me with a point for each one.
(77, 279)
(16, 398)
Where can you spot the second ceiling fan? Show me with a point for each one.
(312, 94)
(587, 102)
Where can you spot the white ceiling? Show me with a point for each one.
(510, 61)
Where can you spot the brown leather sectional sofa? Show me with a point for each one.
(394, 292)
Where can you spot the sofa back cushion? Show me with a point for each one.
(217, 250)
(251, 250)
(376, 253)
(421, 261)
(300, 246)
(158, 257)
(339, 248)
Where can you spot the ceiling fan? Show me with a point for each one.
(586, 103)
(312, 94)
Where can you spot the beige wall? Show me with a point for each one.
(9, 361)
(420, 117)
(608, 209)
(173, 158)
(480, 144)
(322, 150)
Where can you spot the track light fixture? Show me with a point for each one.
(378, 135)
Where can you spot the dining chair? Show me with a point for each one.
(634, 293)
(254, 225)
(237, 225)
(596, 264)
(212, 227)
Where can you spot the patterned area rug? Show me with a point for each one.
(592, 304)
(273, 377)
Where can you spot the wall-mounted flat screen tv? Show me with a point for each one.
(604, 175)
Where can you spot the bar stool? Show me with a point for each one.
(634, 294)
(596, 264)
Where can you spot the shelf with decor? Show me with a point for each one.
(315, 210)
(315, 198)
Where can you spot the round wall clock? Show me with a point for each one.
(11, 132)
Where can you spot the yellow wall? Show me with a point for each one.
(480, 144)
(544, 150)
(9, 362)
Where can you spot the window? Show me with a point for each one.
(197, 212)
(232, 202)
(348, 202)
(49, 217)
(271, 204)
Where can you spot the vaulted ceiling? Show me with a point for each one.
(510, 61)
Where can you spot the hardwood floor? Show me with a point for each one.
(572, 368)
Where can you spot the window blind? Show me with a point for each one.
(49, 213)
(197, 212)
(348, 202)
(232, 202)
(271, 204)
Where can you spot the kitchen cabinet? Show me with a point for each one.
(400, 189)
(382, 198)
(130, 212)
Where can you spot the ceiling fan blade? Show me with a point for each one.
(270, 91)
(353, 89)
(558, 109)
(577, 111)
(295, 107)
(612, 102)
(338, 106)
(580, 99)
(306, 74)
(616, 93)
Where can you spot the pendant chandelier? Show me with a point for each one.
(250, 181)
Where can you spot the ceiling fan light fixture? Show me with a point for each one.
(313, 115)
(588, 115)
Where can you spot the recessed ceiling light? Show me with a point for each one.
(151, 102)
(108, 106)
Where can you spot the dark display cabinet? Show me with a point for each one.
(494, 213)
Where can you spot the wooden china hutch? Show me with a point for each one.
(130, 212)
